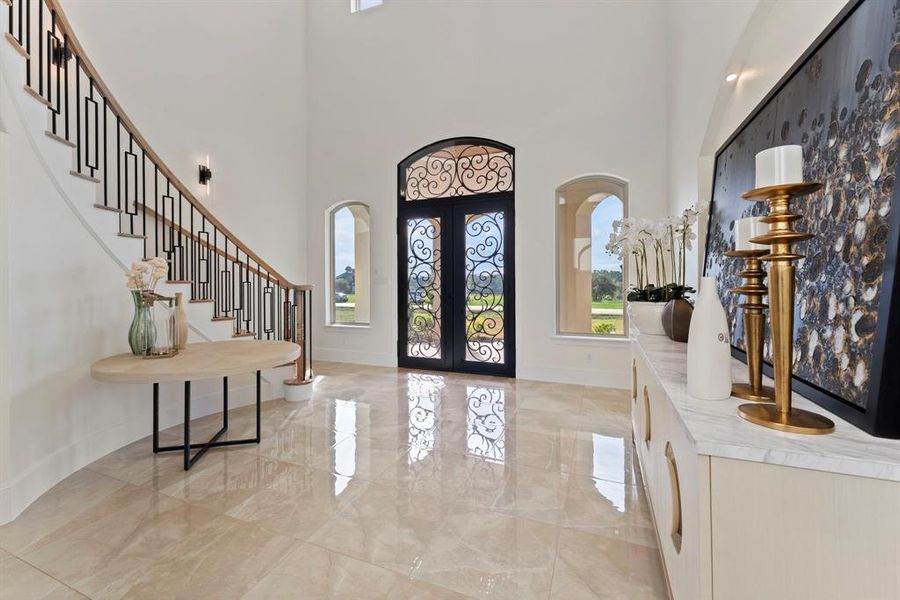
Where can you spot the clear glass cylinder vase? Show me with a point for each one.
(164, 326)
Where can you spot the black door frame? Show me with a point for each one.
(451, 211)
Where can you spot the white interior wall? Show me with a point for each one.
(224, 79)
(758, 40)
(701, 36)
(576, 88)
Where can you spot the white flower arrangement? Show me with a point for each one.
(144, 275)
(669, 239)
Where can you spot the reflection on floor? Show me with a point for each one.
(388, 484)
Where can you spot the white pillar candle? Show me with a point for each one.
(779, 165)
(746, 229)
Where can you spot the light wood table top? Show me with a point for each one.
(205, 360)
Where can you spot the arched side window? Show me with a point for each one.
(348, 286)
(591, 281)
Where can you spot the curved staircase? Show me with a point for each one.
(134, 205)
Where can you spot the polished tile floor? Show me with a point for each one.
(388, 484)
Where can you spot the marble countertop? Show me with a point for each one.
(717, 430)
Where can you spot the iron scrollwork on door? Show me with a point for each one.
(424, 287)
(461, 170)
(484, 287)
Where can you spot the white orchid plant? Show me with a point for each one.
(144, 275)
(665, 242)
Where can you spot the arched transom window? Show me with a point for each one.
(464, 169)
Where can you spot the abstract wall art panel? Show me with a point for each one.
(841, 103)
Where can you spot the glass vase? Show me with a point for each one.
(142, 333)
(163, 315)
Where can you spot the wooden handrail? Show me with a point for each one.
(62, 22)
(175, 227)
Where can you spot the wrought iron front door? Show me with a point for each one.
(457, 288)
(456, 277)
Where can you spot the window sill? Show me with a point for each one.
(347, 326)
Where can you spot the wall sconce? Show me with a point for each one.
(205, 174)
(60, 53)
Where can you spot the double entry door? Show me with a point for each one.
(456, 286)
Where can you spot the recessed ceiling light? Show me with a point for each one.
(731, 77)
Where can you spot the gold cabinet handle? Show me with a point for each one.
(675, 490)
(634, 384)
(647, 431)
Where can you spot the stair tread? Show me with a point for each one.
(37, 96)
(109, 208)
(136, 236)
(188, 281)
(83, 176)
(15, 44)
(244, 334)
(59, 139)
(200, 300)
(223, 318)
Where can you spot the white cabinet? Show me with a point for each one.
(746, 529)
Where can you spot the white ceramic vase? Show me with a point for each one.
(709, 347)
(181, 322)
(646, 317)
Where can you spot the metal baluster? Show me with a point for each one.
(41, 48)
(156, 223)
(77, 115)
(65, 61)
(144, 198)
(119, 167)
(105, 171)
(95, 164)
(27, 40)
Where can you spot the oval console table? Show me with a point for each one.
(205, 360)
(743, 512)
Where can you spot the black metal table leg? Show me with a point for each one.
(213, 442)
(187, 425)
(155, 418)
(258, 402)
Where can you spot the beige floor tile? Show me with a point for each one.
(294, 443)
(608, 508)
(221, 564)
(136, 463)
(312, 572)
(299, 501)
(518, 490)
(19, 580)
(103, 550)
(604, 453)
(437, 473)
(591, 566)
(539, 450)
(361, 456)
(489, 555)
(385, 525)
(74, 495)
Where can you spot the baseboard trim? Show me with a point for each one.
(357, 357)
(594, 377)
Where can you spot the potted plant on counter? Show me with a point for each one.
(658, 250)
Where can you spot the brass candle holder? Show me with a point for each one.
(754, 325)
(781, 237)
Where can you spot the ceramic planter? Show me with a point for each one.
(646, 317)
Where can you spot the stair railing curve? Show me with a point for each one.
(152, 203)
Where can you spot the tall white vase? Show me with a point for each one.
(709, 347)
